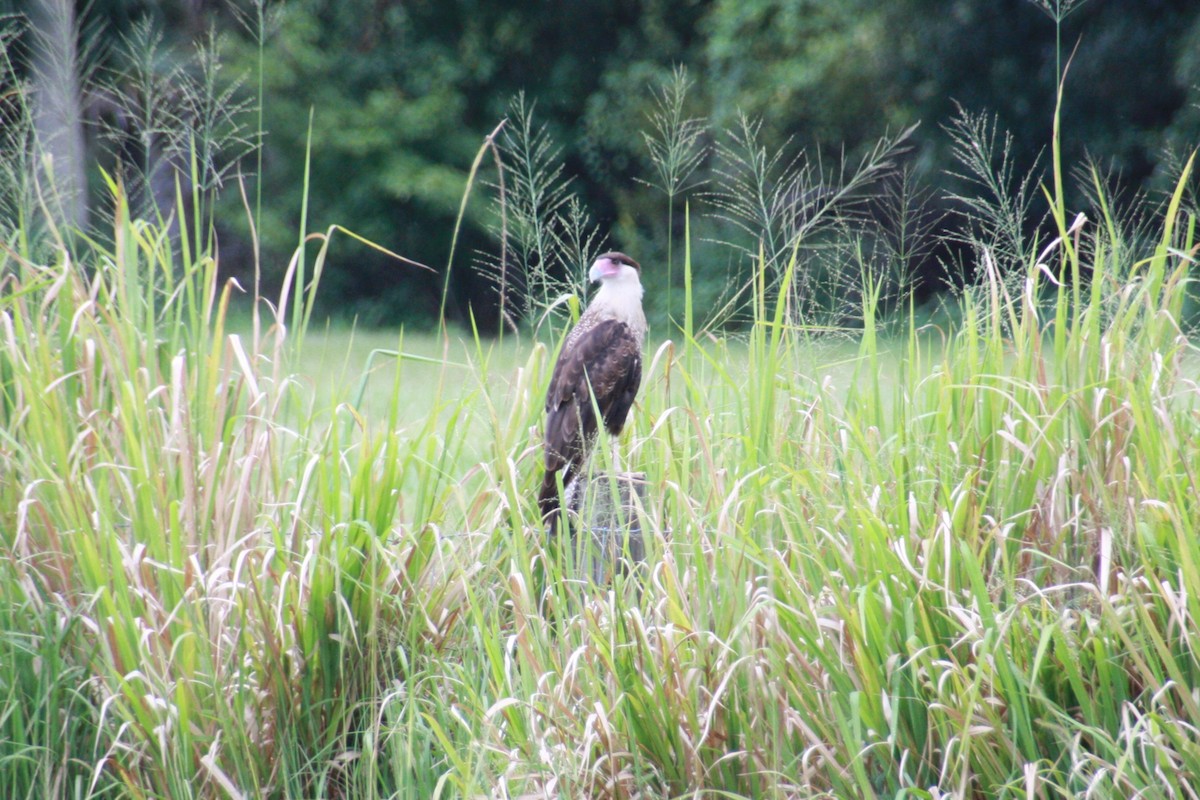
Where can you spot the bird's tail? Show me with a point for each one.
(548, 497)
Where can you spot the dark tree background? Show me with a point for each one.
(402, 94)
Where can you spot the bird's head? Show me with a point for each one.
(615, 267)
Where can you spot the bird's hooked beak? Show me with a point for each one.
(602, 269)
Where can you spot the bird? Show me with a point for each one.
(600, 360)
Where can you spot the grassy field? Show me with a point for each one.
(243, 557)
(453, 366)
(960, 563)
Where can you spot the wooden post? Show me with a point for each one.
(612, 540)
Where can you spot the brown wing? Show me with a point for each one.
(605, 361)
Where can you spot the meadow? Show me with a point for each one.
(959, 563)
(247, 555)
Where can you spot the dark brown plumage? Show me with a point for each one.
(601, 360)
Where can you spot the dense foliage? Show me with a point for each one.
(401, 96)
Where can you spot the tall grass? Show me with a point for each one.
(973, 578)
(968, 569)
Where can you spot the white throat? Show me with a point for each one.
(620, 297)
